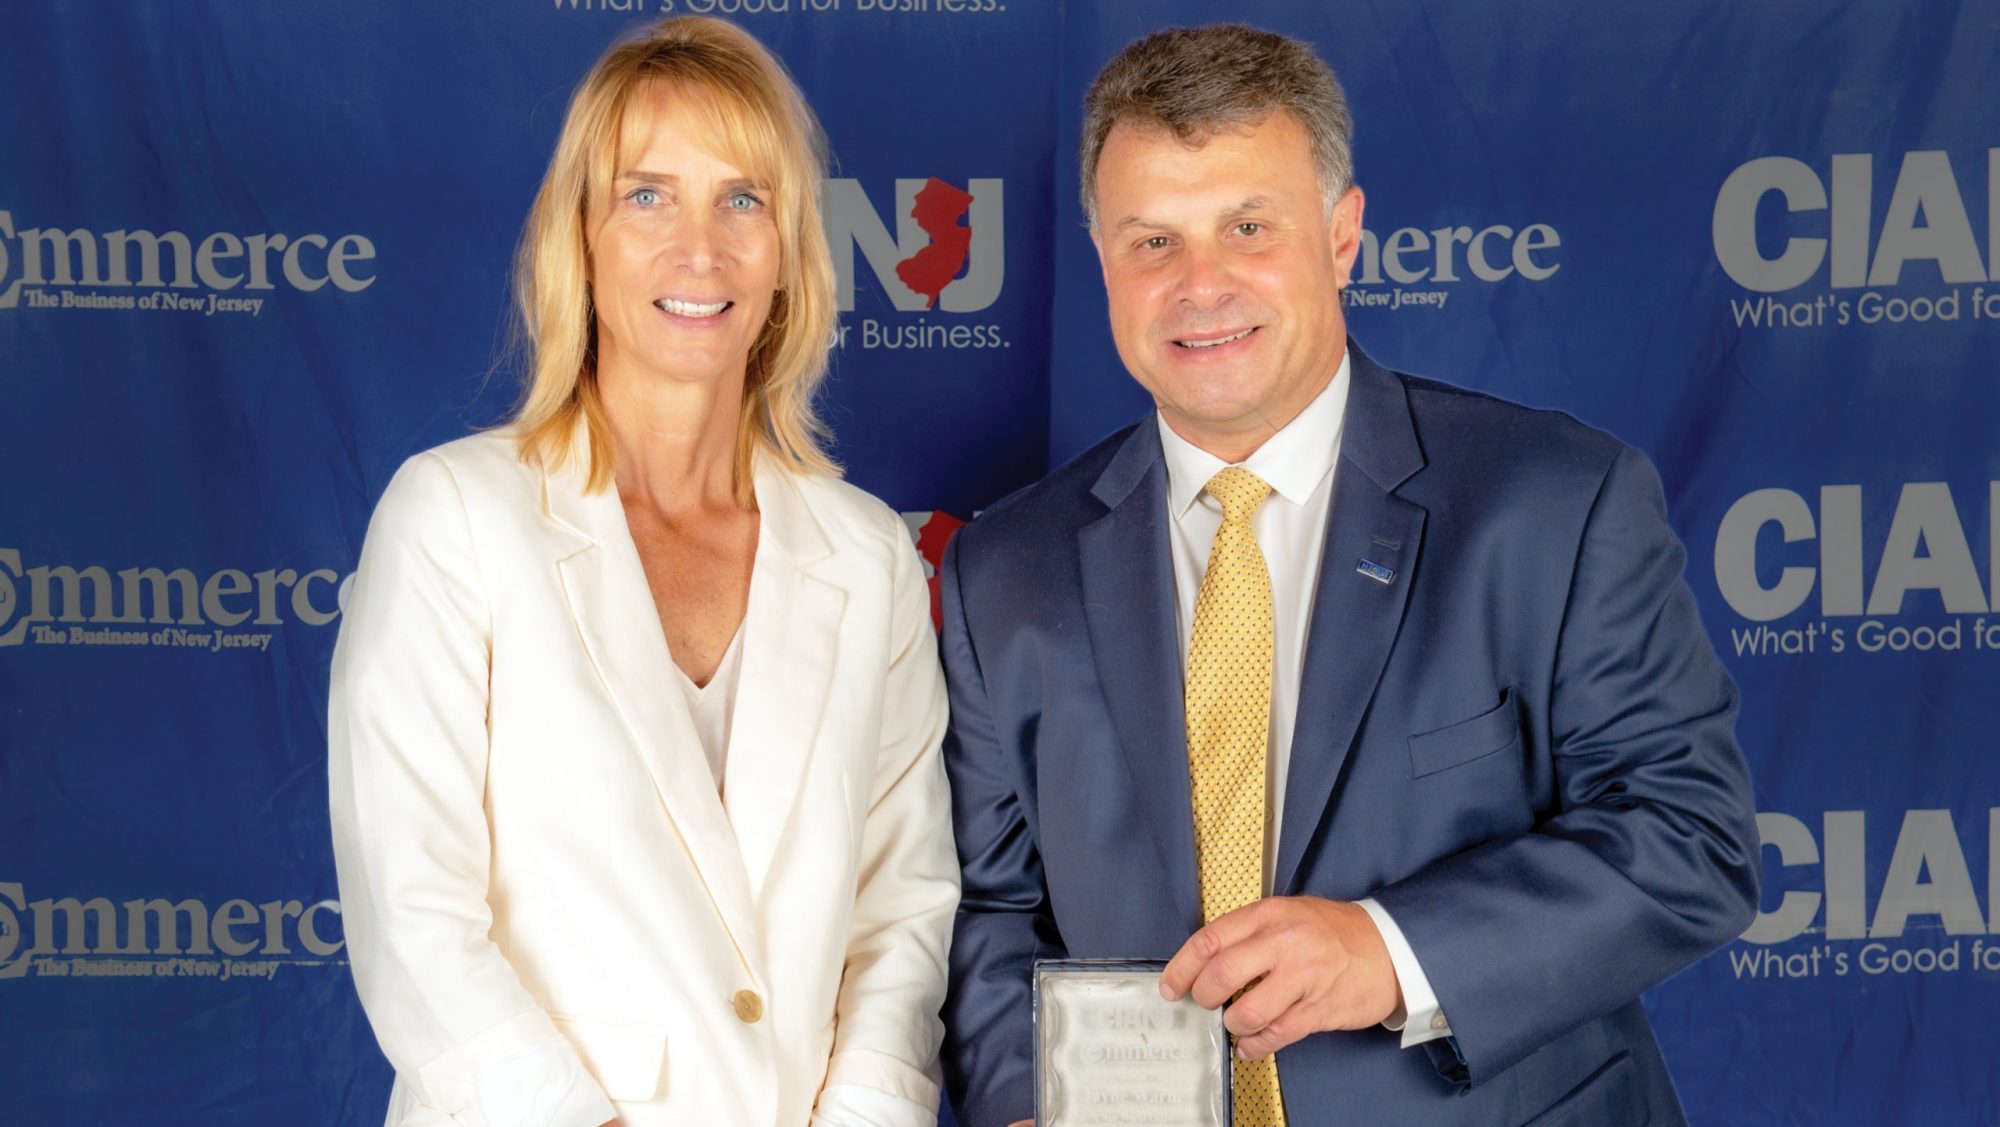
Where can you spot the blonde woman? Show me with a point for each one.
(637, 803)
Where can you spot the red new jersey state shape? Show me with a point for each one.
(937, 211)
(931, 541)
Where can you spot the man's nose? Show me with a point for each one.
(1207, 279)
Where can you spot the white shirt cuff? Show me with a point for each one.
(1420, 1019)
(852, 1105)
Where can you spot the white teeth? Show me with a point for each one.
(689, 308)
(1216, 341)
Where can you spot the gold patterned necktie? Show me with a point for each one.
(1228, 729)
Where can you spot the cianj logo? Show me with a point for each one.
(1925, 221)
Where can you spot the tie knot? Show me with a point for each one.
(1240, 492)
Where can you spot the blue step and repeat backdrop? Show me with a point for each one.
(252, 256)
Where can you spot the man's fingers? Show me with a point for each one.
(1194, 955)
(1302, 965)
(1280, 1012)
(1281, 1031)
(1261, 1005)
(1233, 969)
(1186, 963)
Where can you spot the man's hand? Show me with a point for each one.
(1309, 965)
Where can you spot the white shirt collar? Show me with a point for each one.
(1293, 461)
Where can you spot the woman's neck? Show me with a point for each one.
(675, 441)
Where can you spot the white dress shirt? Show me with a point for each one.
(1290, 526)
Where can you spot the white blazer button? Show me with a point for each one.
(748, 1006)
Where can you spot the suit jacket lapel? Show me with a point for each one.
(790, 637)
(615, 617)
(1128, 587)
(1357, 609)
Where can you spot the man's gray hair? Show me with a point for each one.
(1196, 81)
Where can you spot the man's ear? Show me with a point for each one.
(1344, 229)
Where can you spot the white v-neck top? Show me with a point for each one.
(711, 705)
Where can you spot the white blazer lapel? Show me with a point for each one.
(791, 634)
(615, 616)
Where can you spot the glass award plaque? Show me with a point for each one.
(1110, 1052)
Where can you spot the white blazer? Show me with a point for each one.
(551, 913)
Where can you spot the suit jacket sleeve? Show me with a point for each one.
(406, 763)
(1005, 921)
(1651, 858)
(893, 985)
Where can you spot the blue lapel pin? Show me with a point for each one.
(1374, 571)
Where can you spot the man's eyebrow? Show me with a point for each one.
(1254, 203)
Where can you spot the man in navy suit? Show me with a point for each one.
(1501, 791)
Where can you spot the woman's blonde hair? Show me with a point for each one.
(764, 127)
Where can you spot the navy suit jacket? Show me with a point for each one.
(1521, 744)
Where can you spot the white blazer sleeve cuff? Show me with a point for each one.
(1420, 1019)
(520, 1073)
(851, 1105)
(883, 1073)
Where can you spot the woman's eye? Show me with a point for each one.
(644, 197)
(744, 201)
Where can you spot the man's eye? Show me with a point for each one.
(1157, 242)
(1247, 229)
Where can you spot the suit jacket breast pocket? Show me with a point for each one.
(1454, 745)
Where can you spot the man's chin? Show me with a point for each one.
(1216, 398)
(1209, 424)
